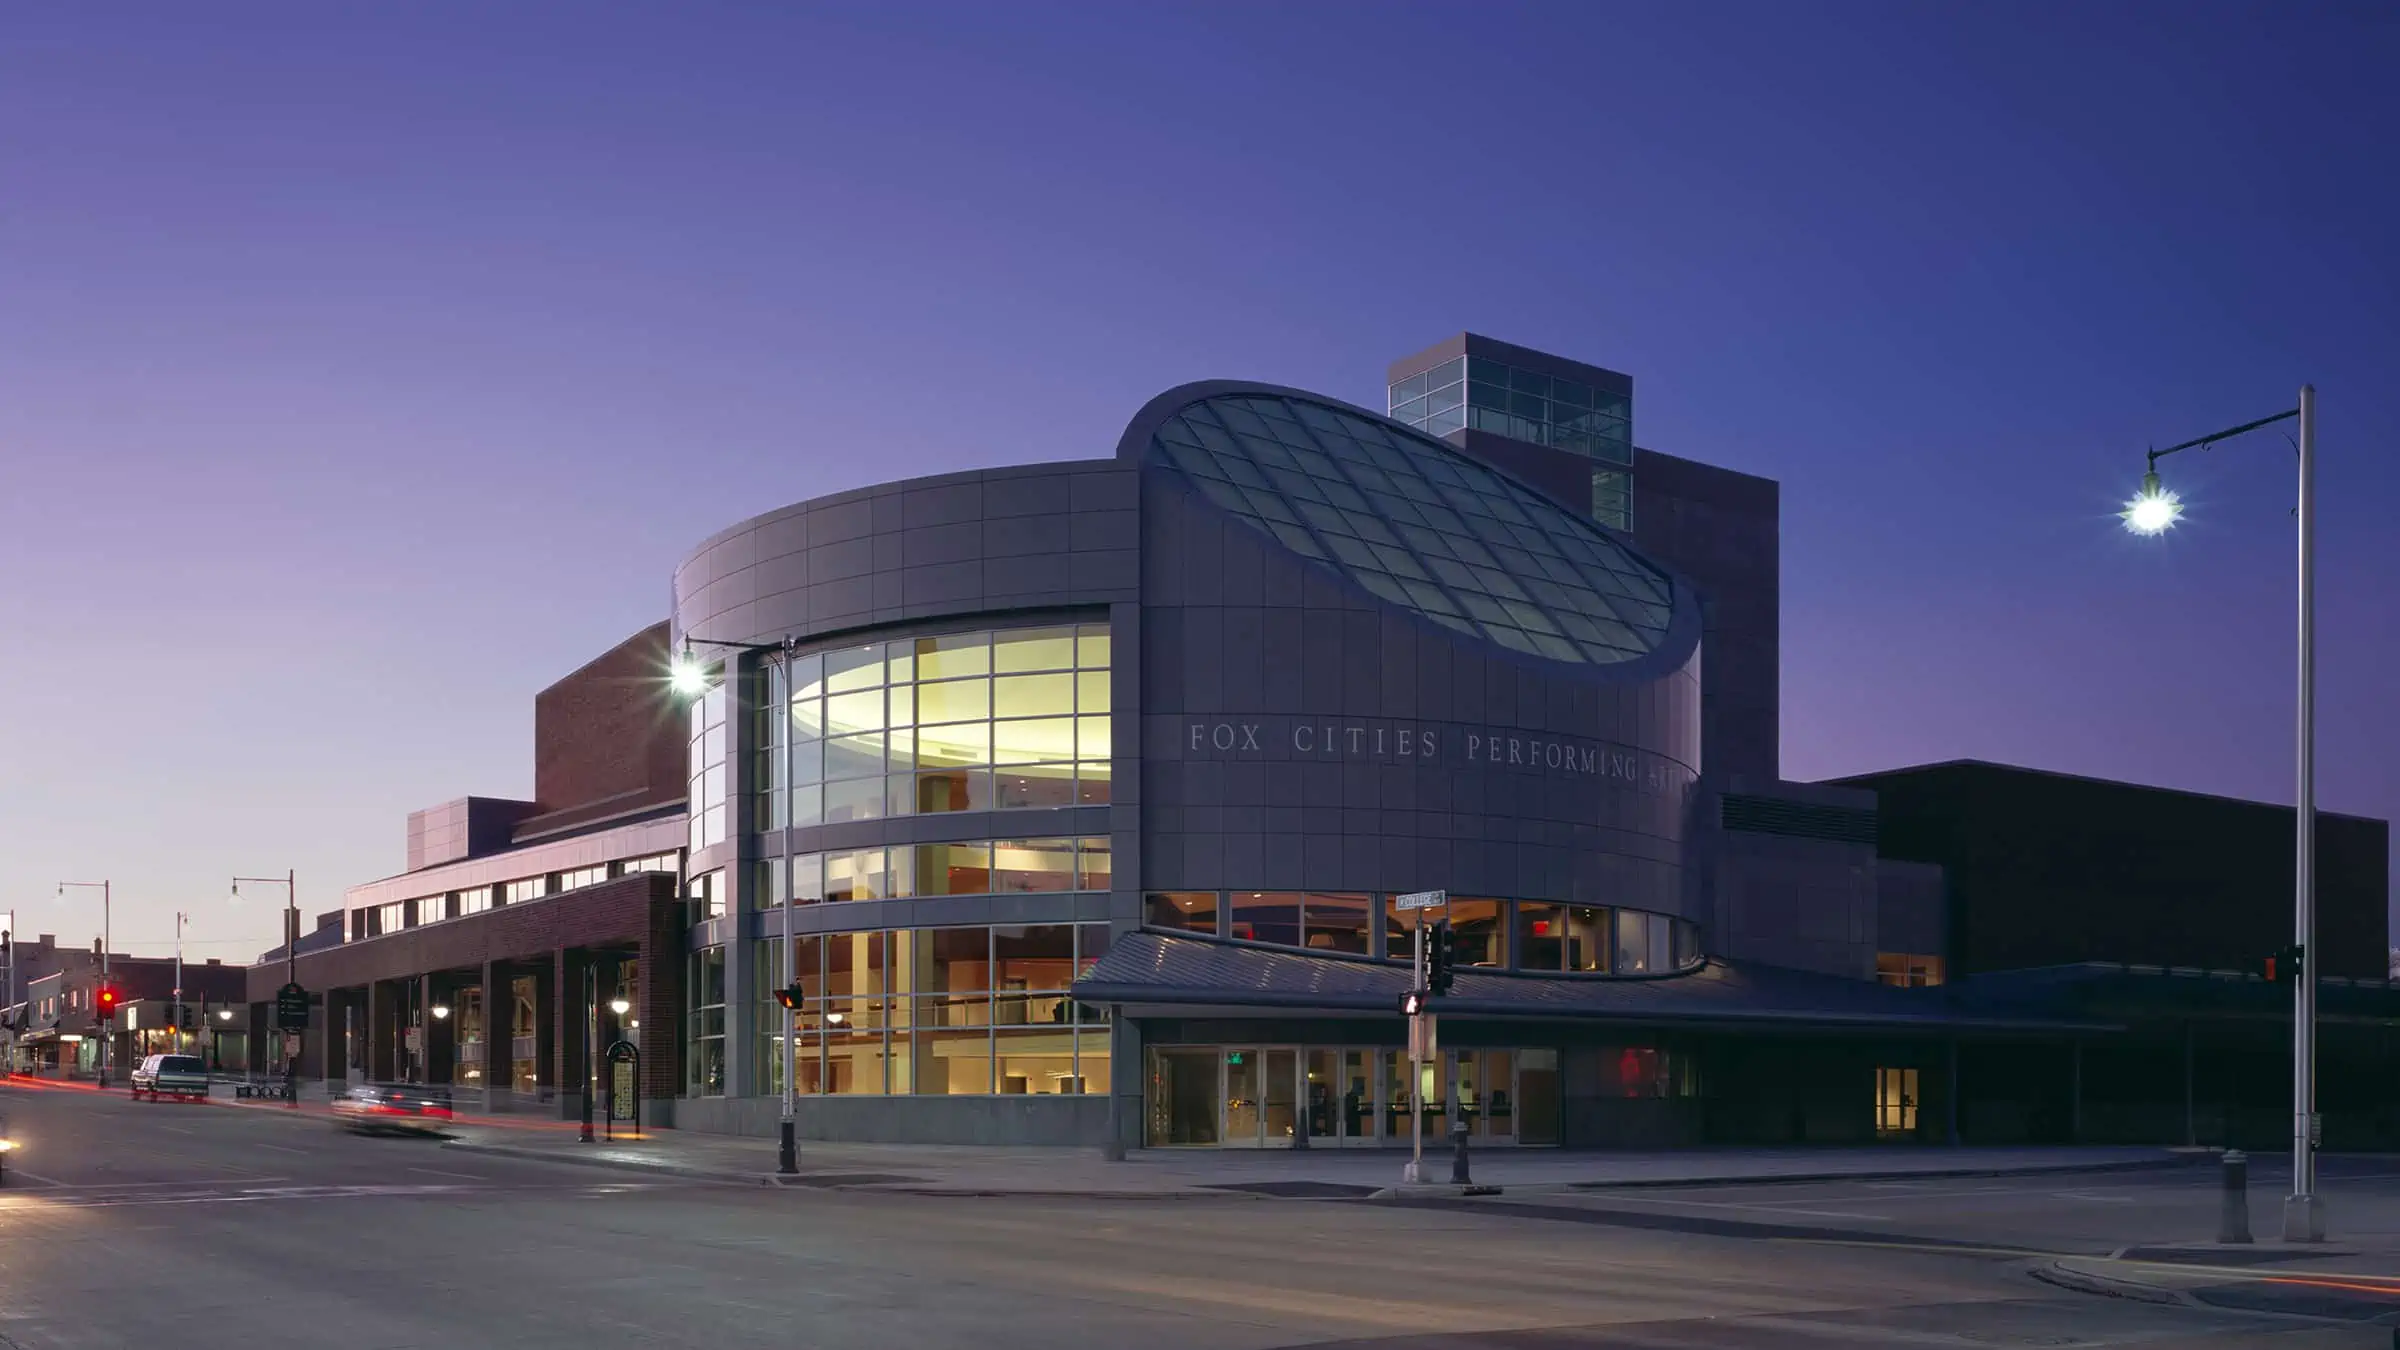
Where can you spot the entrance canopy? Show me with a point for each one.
(1154, 969)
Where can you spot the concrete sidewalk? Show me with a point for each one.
(1305, 1173)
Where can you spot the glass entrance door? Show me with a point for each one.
(1320, 1098)
(1242, 1111)
(1279, 1118)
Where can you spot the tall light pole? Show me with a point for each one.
(16, 1033)
(175, 1018)
(291, 969)
(2154, 511)
(690, 679)
(110, 1034)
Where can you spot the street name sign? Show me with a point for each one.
(1421, 899)
(291, 1008)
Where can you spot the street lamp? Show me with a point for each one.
(110, 1035)
(441, 1012)
(619, 1005)
(689, 678)
(2153, 511)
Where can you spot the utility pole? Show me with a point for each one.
(291, 971)
(108, 1032)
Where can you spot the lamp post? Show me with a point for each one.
(108, 1035)
(2153, 511)
(291, 968)
(690, 679)
(175, 1016)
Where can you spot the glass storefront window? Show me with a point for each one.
(1336, 922)
(706, 983)
(1480, 930)
(1541, 937)
(1633, 942)
(1266, 916)
(954, 869)
(1033, 865)
(1182, 911)
(941, 1010)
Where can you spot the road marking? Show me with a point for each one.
(437, 1172)
(35, 1176)
(81, 1186)
(281, 1148)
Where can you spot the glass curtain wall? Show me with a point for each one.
(1003, 720)
(980, 1010)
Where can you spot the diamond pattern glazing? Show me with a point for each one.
(1421, 525)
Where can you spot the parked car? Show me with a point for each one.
(183, 1077)
(394, 1108)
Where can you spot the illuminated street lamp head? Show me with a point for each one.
(2154, 509)
(687, 676)
(441, 1012)
(619, 1006)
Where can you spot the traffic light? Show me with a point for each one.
(791, 996)
(104, 1002)
(2283, 965)
(1412, 1003)
(1441, 957)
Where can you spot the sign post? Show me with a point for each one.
(1421, 1034)
(624, 1086)
(291, 1018)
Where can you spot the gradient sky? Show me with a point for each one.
(364, 369)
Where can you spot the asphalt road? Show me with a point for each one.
(197, 1227)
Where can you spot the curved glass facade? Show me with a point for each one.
(1422, 526)
(978, 721)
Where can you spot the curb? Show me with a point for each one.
(2084, 1282)
(1930, 1174)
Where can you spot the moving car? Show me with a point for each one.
(394, 1108)
(183, 1077)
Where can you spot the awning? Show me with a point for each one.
(1145, 969)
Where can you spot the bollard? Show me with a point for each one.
(1458, 1159)
(2233, 1223)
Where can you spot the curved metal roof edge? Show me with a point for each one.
(1673, 651)
(1998, 1020)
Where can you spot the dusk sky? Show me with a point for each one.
(364, 369)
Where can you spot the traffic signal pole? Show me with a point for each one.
(1416, 1066)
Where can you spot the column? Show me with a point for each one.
(545, 1028)
(383, 1031)
(499, 1032)
(659, 977)
(568, 1030)
(441, 1033)
(2075, 1096)
(1950, 1097)
(2191, 1131)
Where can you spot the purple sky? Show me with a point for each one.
(368, 368)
